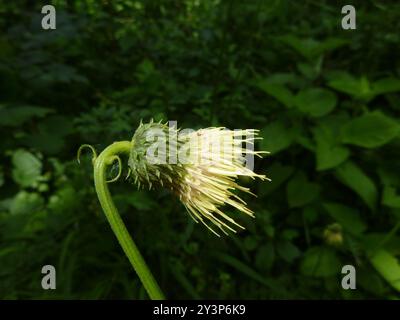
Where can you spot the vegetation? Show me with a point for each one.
(327, 102)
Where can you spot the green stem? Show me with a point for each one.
(106, 158)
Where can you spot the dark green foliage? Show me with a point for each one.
(327, 102)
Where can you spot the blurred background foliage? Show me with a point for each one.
(327, 102)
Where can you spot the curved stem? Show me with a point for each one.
(105, 159)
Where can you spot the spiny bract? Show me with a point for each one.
(200, 167)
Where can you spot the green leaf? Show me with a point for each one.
(26, 203)
(300, 191)
(371, 130)
(50, 137)
(320, 262)
(353, 177)
(279, 92)
(329, 153)
(278, 173)
(348, 217)
(15, 116)
(390, 197)
(276, 137)
(265, 257)
(64, 200)
(386, 85)
(387, 266)
(316, 102)
(141, 200)
(249, 272)
(310, 48)
(359, 88)
(287, 251)
(26, 168)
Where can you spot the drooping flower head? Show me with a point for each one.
(201, 167)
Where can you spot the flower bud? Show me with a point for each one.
(201, 167)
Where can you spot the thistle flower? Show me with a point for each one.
(201, 167)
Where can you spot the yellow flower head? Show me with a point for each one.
(201, 167)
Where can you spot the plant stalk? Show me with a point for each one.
(105, 159)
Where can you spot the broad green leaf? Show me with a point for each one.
(278, 173)
(64, 199)
(359, 88)
(140, 200)
(353, 177)
(320, 262)
(26, 168)
(310, 48)
(15, 116)
(347, 217)
(279, 92)
(370, 280)
(312, 69)
(390, 197)
(386, 85)
(26, 203)
(276, 137)
(388, 267)
(50, 137)
(371, 130)
(287, 251)
(329, 153)
(300, 191)
(316, 102)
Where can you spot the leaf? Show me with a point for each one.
(320, 262)
(371, 130)
(300, 191)
(177, 271)
(265, 257)
(281, 78)
(347, 217)
(26, 203)
(353, 177)
(63, 200)
(310, 48)
(141, 201)
(387, 266)
(386, 85)
(279, 92)
(15, 116)
(249, 272)
(276, 137)
(50, 137)
(390, 197)
(278, 173)
(370, 281)
(329, 152)
(26, 168)
(316, 102)
(359, 88)
(287, 251)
